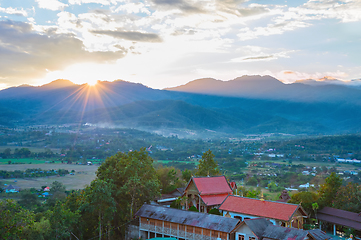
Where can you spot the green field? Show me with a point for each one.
(170, 161)
(28, 161)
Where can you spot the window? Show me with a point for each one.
(240, 237)
(252, 238)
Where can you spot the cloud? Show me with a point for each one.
(26, 54)
(53, 5)
(14, 11)
(182, 5)
(256, 53)
(129, 35)
(236, 7)
(80, 2)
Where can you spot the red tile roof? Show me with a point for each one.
(255, 207)
(211, 200)
(212, 185)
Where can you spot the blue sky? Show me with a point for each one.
(166, 43)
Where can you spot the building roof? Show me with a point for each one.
(265, 230)
(9, 187)
(254, 207)
(190, 218)
(211, 185)
(278, 232)
(257, 225)
(211, 200)
(340, 217)
(318, 234)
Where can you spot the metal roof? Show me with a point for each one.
(340, 217)
(278, 232)
(189, 218)
(257, 225)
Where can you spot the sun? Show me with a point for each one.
(91, 82)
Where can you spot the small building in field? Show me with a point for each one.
(279, 213)
(12, 189)
(206, 193)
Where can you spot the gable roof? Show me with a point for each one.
(265, 230)
(190, 218)
(211, 185)
(255, 207)
(211, 200)
(340, 217)
(257, 225)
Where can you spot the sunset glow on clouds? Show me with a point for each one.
(165, 43)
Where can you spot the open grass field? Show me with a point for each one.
(83, 175)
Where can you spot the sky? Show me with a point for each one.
(167, 43)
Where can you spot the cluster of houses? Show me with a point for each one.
(240, 218)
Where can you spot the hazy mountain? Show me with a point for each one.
(250, 104)
(266, 87)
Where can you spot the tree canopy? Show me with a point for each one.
(207, 165)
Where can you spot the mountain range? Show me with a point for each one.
(245, 105)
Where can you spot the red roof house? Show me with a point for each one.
(206, 193)
(279, 213)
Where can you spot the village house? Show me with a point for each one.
(279, 213)
(158, 221)
(206, 193)
(261, 228)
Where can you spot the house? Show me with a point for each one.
(279, 213)
(11, 189)
(159, 221)
(284, 197)
(206, 193)
(263, 229)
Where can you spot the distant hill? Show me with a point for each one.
(267, 87)
(250, 104)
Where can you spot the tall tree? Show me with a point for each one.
(207, 166)
(134, 182)
(98, 200)
(328, 191)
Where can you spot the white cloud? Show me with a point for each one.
(53, 5)
(80, 2)
(14, 11)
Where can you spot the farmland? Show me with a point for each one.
(83, 175)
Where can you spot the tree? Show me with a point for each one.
(328, 191)
(62, 221)
(7, 152)
(315, 207)
(307, 199)
(348, 198)
(98, 200)
(134, 182)
(168, 178)
(29, 200)
(207, 166)
(14, 220)
(186, 175)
